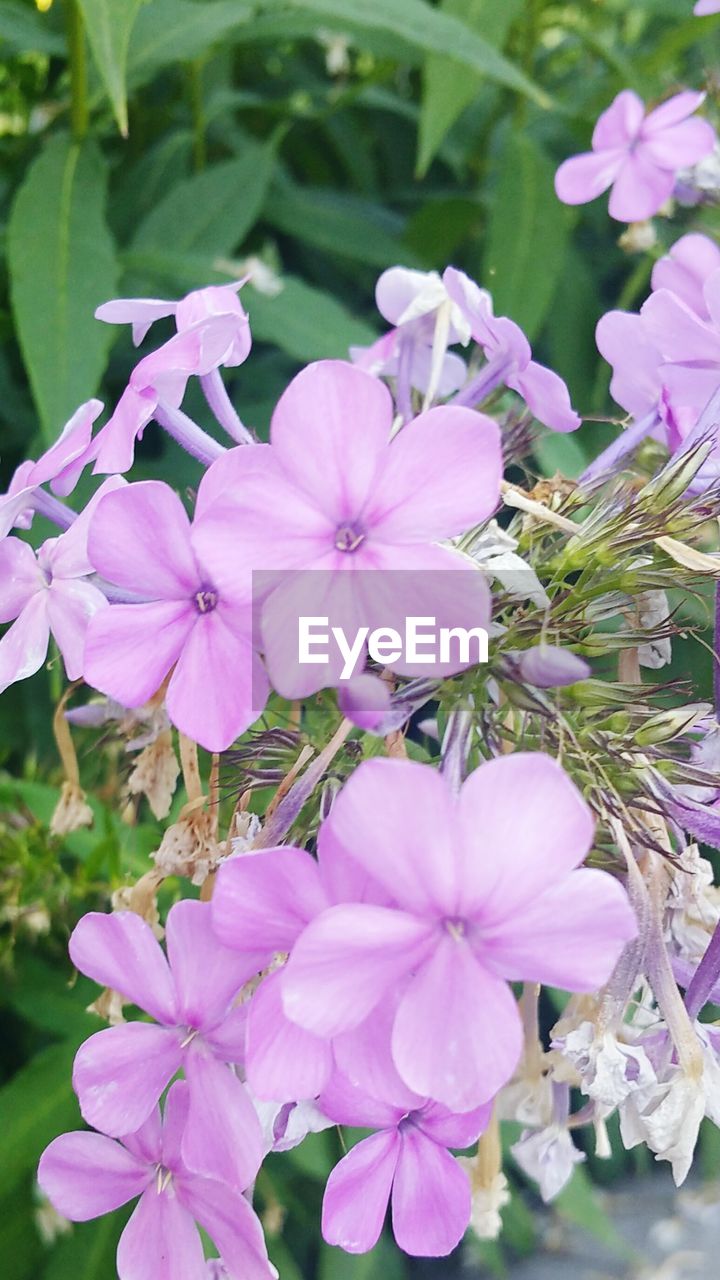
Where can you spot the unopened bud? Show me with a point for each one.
(670, 724)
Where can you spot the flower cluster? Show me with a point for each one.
(355, 954)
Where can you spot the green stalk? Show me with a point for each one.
(79, 108)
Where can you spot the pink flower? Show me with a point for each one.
(343, 497)
(62, 464)
(261, 905)
(142, 540)
(487, 892)
(406, 1161)
(638, 155)
(85, 1175)
(685, 269)
(688, 343)
(120, 1073)
(704, 7)
(48, 593)
(193, 309)
(509, 356)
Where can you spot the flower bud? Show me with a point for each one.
(670, 724)
(547, 666)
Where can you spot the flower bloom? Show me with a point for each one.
(142, 540)
(85, 1175)
(120, 1072)
(704, 7)
(406, 1161)
(344, 497)
(637, 154)
(509, 355)
(487, 893)
(48, 593)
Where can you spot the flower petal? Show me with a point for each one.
(329, 432)
(582, 178)
(569, 936)
(430, 1198)
(120, 1073)
(71, 603)
(219, 686)
(640, 188)
(161, 1241)
(131, 647)
(140, 539)
(671, 112)
(441, 477)
(357, 1193)
(457, 1036)
(20, 577)
(620, 123)
(523, 826)
(222, 1137)
(207, 975)
(120, 950)
(682, 145)
(24, 646)
(285, 1063)
(262, 901)
(452, 1128)
(231, 1224)
(546, 396)
(344, 963)
(85, 1175)
(413, 856)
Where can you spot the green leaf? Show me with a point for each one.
(449, 87)
(89, 1253)
(384, 1262)
(306, 322)
(580, 1203)
(427, 28)
(35, 1107)
(108, 24)
(211, 212)
(172, 31)
(25, 30)
(20, 1247)
(335, 222)
(62, 265)
(527, 234)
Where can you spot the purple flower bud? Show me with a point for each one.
(365, 700)
(549, 667)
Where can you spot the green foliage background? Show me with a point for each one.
(150, 146)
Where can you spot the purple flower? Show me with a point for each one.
(395, 353)
(193, 309)
(487, 892)
(706, 6)
(509, 356)
(549, 667)
(638, 155)
(686, 268)
(343, 497)
(120, 1073)
(261, 905)
(85, 1175)
(687, 342)
(142, 540)
(406, 1161)
(48, 593)
(62, 464)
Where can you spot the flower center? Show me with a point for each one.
(348, 537)
(456, 929)
(206, 600)
(163, 1179)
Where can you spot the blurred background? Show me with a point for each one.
(151, 146)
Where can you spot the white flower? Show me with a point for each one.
(494, 550)
(487, 1202)
(548, 1156)
(667, 1117)
(609, 1069)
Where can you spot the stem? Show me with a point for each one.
(216, 394)
(52, 508)
(289, 807)
(479, 387)
(189, 435)
(625, 444)
(79, 108)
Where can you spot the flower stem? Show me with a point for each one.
(705, 977)
(79, 109)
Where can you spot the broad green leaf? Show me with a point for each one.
(212, 211)
(35, 1107)
(580, 1203)
(24, 30)
(172, 31)
(46, 996)
(305, 322)
(20, 1247)
(62, 265)
(335, 222)
(89, 1253)
(449, 87)
(108, 24)
(426, 27)
(527, 234)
